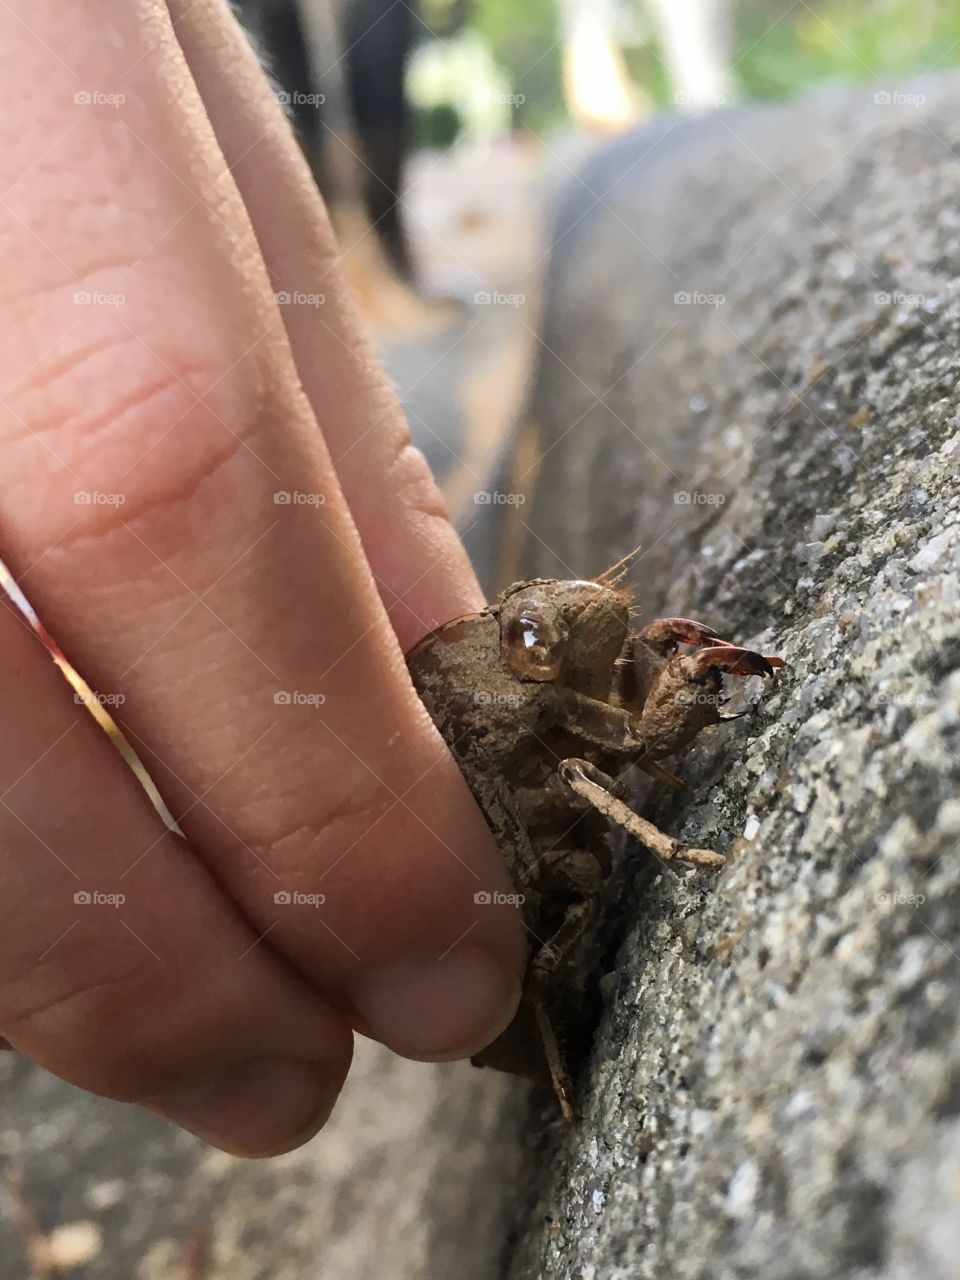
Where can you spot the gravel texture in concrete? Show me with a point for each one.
(751, 370)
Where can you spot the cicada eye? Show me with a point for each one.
(534, 646)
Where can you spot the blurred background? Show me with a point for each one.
(441, 130)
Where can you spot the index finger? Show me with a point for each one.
(417, 558)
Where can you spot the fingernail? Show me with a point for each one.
(259, 1108)
(440, 1009)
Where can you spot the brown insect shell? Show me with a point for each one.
(484, 711)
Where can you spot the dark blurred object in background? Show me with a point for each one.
(378, 35)
(339, 66)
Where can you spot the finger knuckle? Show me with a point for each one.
(122, 433)
(99, 1029)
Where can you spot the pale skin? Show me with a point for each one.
(144, 354)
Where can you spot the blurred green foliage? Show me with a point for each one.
(784, 48)
(525, 38)
(780, 47)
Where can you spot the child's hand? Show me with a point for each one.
(176, 352)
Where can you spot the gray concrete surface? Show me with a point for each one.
(775, 1087)
(399, 1184)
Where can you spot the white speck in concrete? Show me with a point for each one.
(742, 1190)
